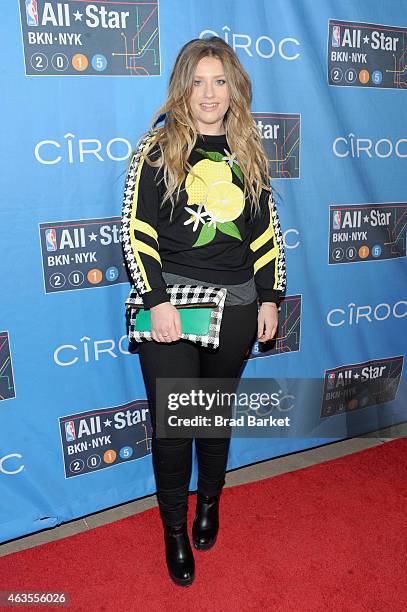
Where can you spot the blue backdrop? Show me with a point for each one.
(81, 81)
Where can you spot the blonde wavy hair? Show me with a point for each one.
(176, 138)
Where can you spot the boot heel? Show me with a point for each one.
(179, 556)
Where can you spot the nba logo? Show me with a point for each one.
(51, 239)
(331, 380)
(32, 12)
(336, 219)
(70, 431)
(336, 36)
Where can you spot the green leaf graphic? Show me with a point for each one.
(229, 228)
(213, 155)
(206, 235)
(202, 152)
(238, 172)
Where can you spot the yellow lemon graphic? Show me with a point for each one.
(209, 171)
(224, 201)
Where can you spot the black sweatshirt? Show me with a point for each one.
(211, 236)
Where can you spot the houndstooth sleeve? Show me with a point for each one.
(139, 227)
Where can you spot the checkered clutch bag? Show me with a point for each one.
(191, 300)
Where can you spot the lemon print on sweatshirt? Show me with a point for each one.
(219, 200)
(208, 172)
(224, 201)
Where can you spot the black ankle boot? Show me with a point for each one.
(206, 522)
(179, 555)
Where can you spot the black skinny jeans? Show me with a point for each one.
(172, 457)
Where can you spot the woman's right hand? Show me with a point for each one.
(165, 323)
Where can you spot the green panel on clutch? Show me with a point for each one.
(193, 320)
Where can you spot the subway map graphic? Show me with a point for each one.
(280, 134)
(287, 338)
(82, 38)
(7, 390)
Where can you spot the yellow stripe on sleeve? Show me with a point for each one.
(256, 244)
(267, 234)
(262, 261)
(146, 228)
(142, 247)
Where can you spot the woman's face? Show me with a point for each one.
(210, 97)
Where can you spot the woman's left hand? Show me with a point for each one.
(267, 321)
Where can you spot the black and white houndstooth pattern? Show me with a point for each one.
(281, 274)
(127, 210)
(179, 295)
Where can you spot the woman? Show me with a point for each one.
(198, 209)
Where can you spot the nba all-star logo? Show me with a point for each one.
(101, 438)
(360, 385)
(366, 55)
(82, 254)
(367, 232)
(90, 38)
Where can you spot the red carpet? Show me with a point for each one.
(326, 537)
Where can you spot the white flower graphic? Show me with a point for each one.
(230, 158)
(197, 216)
